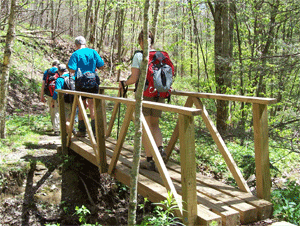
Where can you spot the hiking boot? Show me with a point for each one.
(148, 165)
(80, 134)
(163, 153)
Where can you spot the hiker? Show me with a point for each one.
(48, 86)
(151, 115)
(84, 62)
(64, 81)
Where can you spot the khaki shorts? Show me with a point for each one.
(150, 111)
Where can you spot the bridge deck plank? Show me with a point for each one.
(216, 201)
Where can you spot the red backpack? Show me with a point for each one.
(159, 76)
(50, 83)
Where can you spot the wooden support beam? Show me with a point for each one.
(62, 117)
(113, 117)
(101, 91)
(188, 168)
(72, 119)
(222, 147)
(87, 123)
(174, 137)
(122, 135)
(261, 144)
(100, 135)
(149, 141)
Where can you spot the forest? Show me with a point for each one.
(244, 48)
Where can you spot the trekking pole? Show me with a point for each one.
(119, 112)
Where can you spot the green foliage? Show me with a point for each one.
(122, 188)
(163, 213)
(22, 130)
(82, 213)
(286, 202)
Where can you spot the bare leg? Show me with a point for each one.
(91, 107)
(80, 117)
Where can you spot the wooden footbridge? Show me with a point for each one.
(202, 200)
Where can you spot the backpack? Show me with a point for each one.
(159, 76)
(88, 80)
(69, 84)
(50, 83)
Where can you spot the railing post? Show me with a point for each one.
(261, 144)
(102, 91)
(62, 117)
(188, 168)
(100, 135)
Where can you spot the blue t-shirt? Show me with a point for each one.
(53, 70)
(59, 84)
(86, 59)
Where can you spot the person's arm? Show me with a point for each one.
(59, 84)
(72, 64)
(135, 70)
(99, 61)
(133, 78)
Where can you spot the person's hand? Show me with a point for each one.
(122, 86)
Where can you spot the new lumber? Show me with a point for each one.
(146, 187)
(264, 208)
(229, 215)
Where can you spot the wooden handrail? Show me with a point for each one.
(216, 96)
(148, 104)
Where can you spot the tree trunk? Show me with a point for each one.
(105, 19)
(261, 87)
(155, 15)
(94, 25)
(87, 17)
(138, 125)
(6, 66)
(52, 20)
(112, 45)
(71, 30)
(56, 19)
(199, 44)
(223, 53)
(121, 22)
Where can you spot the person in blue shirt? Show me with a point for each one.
(60, 84)
(85, 61)
(53, 108)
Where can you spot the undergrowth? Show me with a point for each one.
(286, 202)
(23, 129)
